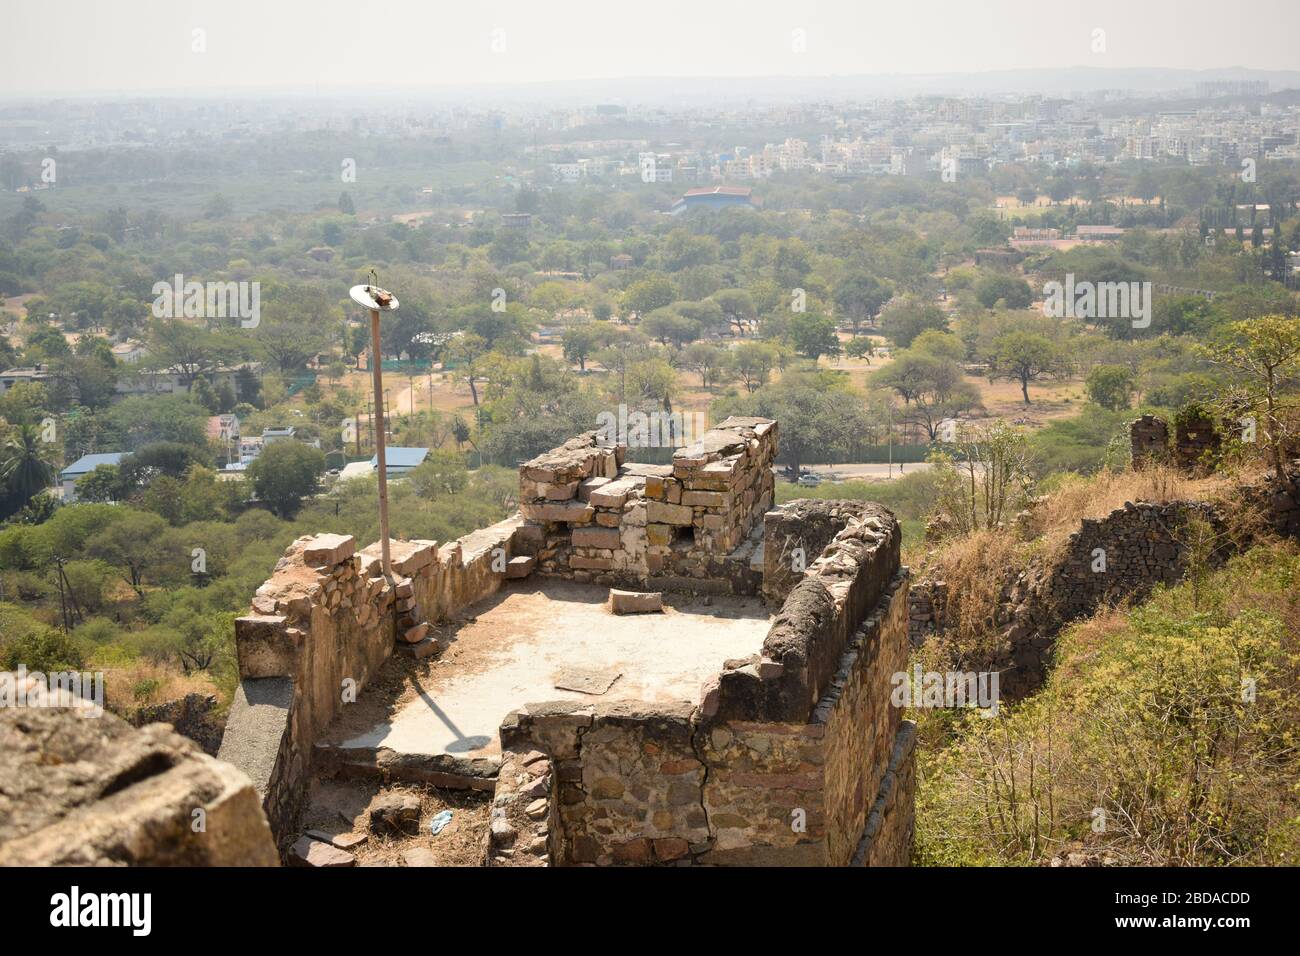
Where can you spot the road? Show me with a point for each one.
(864, 471)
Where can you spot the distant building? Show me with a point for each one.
(271, 435)
(250, 446)
(621, 261)
(82, 467)
(569, 173)
(223, 428)
(714, 197)
(1098, 233)
(516, 220)
(16, 376)
(128, 352)
(399, 460)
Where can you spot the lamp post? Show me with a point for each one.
(378, 300)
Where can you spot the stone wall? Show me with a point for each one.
(193, 716)
(593, 516)
(324, 623)
(1122, 556)
(793, 757)
(1196, 442)
(98, 792)
(794, 535)
(1148, 440)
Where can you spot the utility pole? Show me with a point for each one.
(377, 300)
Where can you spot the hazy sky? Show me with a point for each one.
(147, 45)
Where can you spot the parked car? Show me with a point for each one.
(810, 480)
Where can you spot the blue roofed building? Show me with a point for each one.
(714, 197)
(400, 460)
(82, 467)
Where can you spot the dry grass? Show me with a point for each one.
(142, 683)
(974, 568)
(1056, 518)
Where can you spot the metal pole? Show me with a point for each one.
(377, 424)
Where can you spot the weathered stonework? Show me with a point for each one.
(322, 626)
(592, 516)
(98, 792)
(1148, 441)
(792, 758)
(1120, 557)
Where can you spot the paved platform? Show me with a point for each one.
(518, 645)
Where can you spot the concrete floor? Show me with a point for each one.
(512, 648)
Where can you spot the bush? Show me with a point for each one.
(1173, 724)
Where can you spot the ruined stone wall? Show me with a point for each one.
(1196, 442)
(593, 516)
(324, 623)
(1148, 440)
(794, 535)
(1122, 556)
(193, 716)
(787, 758)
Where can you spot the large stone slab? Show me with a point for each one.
(98, 792)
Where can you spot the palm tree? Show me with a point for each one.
(24, 469)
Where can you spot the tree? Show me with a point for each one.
(346, 205)
(25, 469)
(101, 485)
(137, 544)
(738, 307)
(655, 291)
(579, 341)
(442, 473)
(1025, 357)
(1110, 386)
(814, 335)
(861, 348)
(190, 348)
(904, 320)
(818, 419)
(285, 473)
(706, 360)
(1265, 352)
(988, 479)
(1012, 290)
(859, 297)
(468, 350)
(932, 388)
(753, 363)
(292, 329)
(670, 326)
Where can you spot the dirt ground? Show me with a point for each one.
(341, 806)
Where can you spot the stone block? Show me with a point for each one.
(571, 512)
(635, 602)
(520, 566)
(607, 538)
(660, 512)
(328, 549)
(266, 646)
(309, 852)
